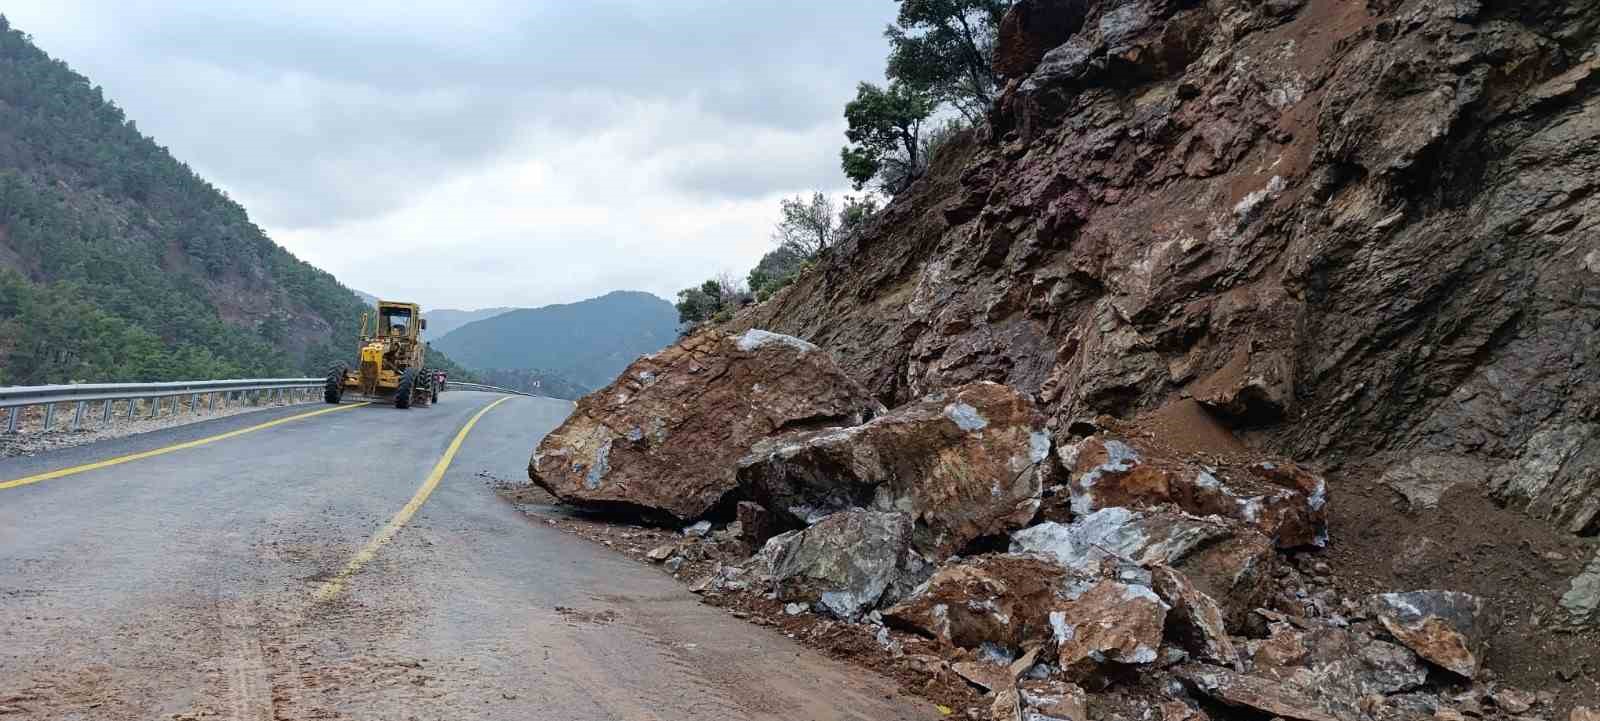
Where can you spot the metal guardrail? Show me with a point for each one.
(462, 386)
(16, 399)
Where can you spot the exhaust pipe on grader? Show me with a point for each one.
(392, 354)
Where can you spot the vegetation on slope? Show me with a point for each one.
(118, 262)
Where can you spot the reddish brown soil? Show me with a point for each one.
(1517, 564)
(1185, 429)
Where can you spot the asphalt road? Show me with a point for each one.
(196, 583)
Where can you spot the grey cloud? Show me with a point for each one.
(322, 117)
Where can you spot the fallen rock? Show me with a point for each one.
(848, 564)
(1584, 713)
(1053, 699)
(698, 530)
(1445, 627)
(1314, 673)
(1195, 620)
(1262, 694)
(984, 675)
(1285, 502)
(1228, 562)
(723, 577)
(1180, 711)
(662, 552)
(1423, 481)
(1236, 572)
(1582, 599)
(1007, 705)
(965, 464)
(1107, 622)
(1512, 700)
(1145, 538)
(1001, 599)
(664, 438)
(756, 523)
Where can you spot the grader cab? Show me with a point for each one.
(391, 359)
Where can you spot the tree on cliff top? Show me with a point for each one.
(945, 49)
(885, 134)
(806, 227)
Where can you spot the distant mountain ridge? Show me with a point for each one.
(537, 382)
(588, 342)
(443, 320)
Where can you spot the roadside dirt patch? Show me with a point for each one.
(912, 661)
(1518, 565)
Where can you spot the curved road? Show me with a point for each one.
(218, 581)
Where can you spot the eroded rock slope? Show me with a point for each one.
(1366, 229)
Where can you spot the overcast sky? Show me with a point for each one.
(484, 152)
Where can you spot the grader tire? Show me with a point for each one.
(423, 392)
(402, 393)
(333, 387)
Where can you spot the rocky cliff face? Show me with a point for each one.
(1362, 230)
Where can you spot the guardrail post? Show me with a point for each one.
(49, 416)
(13, 415)
(77, 415)
(105, 413)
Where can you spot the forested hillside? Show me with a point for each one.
(118, 262)
(588, 343)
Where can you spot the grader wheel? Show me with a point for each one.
(333, 387)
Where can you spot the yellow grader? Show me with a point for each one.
(392, 354)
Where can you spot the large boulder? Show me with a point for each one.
(1194, 619)
(664, 438)
(1001, 599)
(1109, 622)
(1226, 560)
(1320, 674)
(1447, 628)
(965, 464)
(1282, 500)
(849, 563)
(1112, 534)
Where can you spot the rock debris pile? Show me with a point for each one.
(1241, 364)
(1063, 576)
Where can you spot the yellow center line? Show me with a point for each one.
(333, 586)
(161, 451)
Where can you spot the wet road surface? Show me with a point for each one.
(187, 584)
